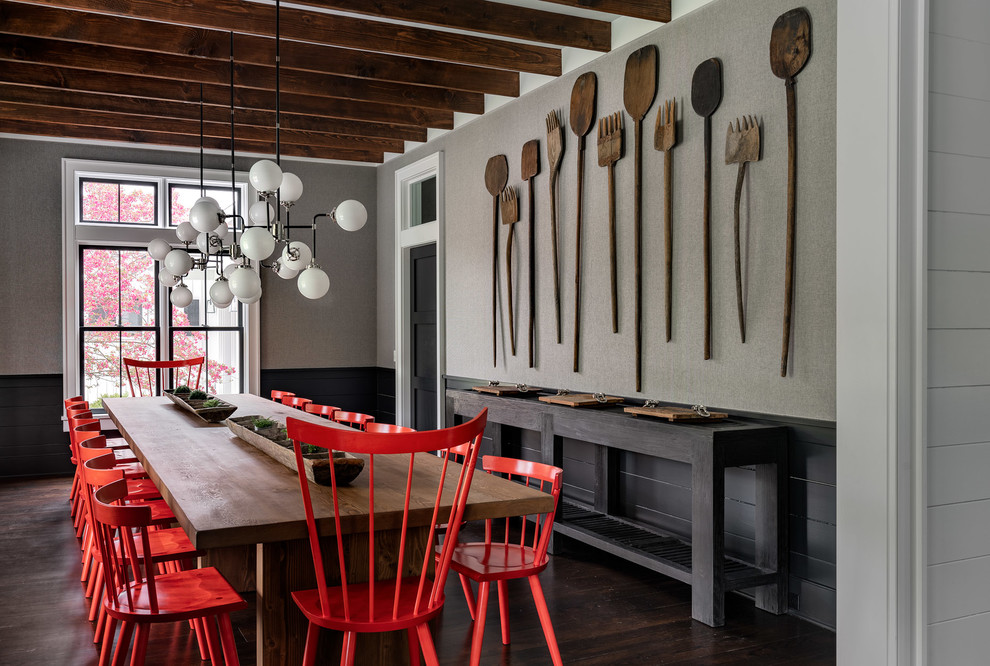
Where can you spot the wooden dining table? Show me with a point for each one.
(245, 511)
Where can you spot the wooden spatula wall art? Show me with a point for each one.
(510, 215)
(496, 176)
(582, 117)
(706, 94)
(555, 153)
(531, 167)
(790, 48)
(639, 88)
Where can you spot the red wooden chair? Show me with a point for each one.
(353, 419)
(388, 428)
(279, 396)
(298, 403)
(508, 557)
(386, 604)
(326, 411)
(137, 596)
(153, 371)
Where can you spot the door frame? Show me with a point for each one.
(406, 238)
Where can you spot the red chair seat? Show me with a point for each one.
(170, 544)
(183, 595)
(309, 603)
(497, 561)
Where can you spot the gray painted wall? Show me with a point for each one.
(958, 334)
(337, 331)
(742, 377)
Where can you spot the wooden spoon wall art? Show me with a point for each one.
(496, 176)
(706, 94)
(531, 167)
(582, 117)
(639, 89)
(510, 215)
(790, 48)
(555, 154)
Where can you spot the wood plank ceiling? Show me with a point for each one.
(358, 78)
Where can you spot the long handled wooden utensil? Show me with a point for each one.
(609, 152)
(555, 153)
(639, 89)
(790, 48)
(531, 167)
(582, 117)
(510, 215)
(742, 146)
(706, 94)
(665, 138)
(496, 176)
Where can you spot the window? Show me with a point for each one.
(115, 305)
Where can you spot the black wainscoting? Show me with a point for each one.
(657, 492)
(32, 442)
(367, 390)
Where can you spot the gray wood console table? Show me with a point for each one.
(708, 448)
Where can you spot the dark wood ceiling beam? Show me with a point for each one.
(82, 80)
(212, 114)
(35, 128)
(50, 114)
(202, 70)
(103, 29)
(346, 31)
(493, 18)
(651, 10)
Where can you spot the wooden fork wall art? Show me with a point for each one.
(742, 146)
(510, 215)
(665, 138)
(609, 152)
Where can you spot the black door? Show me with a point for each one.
(423, 324)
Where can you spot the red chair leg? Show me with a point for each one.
(413, 639)
(211, 639)
(97, 595)
(108, 632)
(426, 645)
(468, 594)
(123, 642)
(312, 641)
(544, 613)
(347, 651)
(101, 621)
(197, 625)
(227, 641)
(140, 645)
(503, 610)
(479, 623)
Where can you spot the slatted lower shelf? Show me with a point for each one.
(659, 552)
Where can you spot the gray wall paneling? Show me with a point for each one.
(958, 594)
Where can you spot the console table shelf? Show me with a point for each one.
(708, 448)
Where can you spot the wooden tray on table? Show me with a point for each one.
(209, 414)
(676, 414)
(506, 389)
(580, 400)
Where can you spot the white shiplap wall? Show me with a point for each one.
(959, 333)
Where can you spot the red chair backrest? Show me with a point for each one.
(394, 429)
(279, 396)
(325, 411)
(353, 418)
(372, 445)
(540, 476)
(81, 429)
(149, 374)
(75, 398)
(296, 402)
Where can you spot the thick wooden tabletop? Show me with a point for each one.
(226, 492)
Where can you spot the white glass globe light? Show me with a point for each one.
(252, 299)
(313, 283)
(166, 278)
(257, 243)
(220, 294)
(158, 248)
(181, 296)
(221, 230)
(351, 215)
(244, 283)
(261, 213)
(178, 262)
(265, 176)
(291, 188)
(284, 271)
(303, 255)
(204, 214)
(186, 232)
(204, 244)
(230, 268)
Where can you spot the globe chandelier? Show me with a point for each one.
(260, 235)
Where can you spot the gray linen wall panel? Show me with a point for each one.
(740, 376)
(958, 334)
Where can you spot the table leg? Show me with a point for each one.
(708, 537)
(771, 534)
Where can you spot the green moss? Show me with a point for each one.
(263, 423)
(198, 395)
(182, 389)
(212, 402)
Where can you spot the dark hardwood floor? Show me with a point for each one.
(605, 610)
